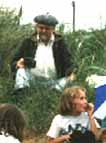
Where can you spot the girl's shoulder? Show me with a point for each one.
(59, 118)
(8, 138)
(62, 118)
(13, 140)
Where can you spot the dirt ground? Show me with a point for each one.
(31, 137)
(35, 140)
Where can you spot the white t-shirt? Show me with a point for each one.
(8, 139)
(66, 124)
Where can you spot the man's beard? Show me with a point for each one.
(44, 38)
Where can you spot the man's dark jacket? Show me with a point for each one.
(62, 57)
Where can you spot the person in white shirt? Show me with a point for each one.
(12, 124)
(44, 54)
(75, 114)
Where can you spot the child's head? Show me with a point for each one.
(11, 121)
(73, 101)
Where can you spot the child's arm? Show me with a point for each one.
(93, 126)
(58, 139)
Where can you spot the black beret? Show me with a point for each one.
(46, 20)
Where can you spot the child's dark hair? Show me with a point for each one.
(11, 121)
(86, 137)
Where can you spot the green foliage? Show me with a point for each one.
(11, 34)
(40, 103)
(89, 52)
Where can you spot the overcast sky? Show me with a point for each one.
(89, 13)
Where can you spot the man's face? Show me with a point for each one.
(44, 32)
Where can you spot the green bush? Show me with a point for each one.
(40, 103)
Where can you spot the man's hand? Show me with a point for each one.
(71, 77)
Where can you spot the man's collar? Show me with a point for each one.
(55, 37)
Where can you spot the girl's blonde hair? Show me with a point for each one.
(66, 101)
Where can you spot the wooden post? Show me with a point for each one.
(73, 5)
